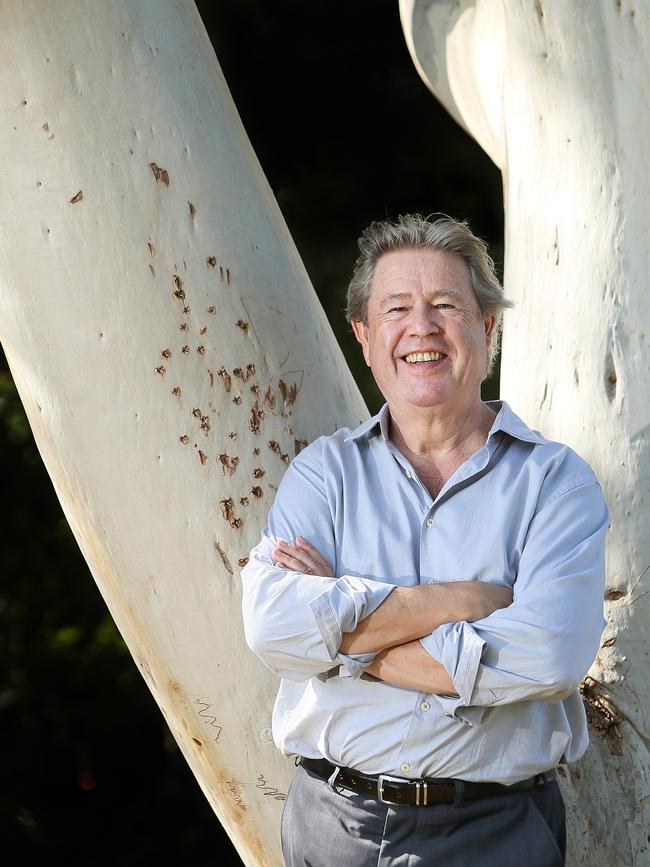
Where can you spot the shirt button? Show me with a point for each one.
(405, 767)
(409, 474)
(430, 522)
(425, 705)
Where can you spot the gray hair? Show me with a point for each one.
(412, 231)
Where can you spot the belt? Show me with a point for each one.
(424, 792)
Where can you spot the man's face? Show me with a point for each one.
(422, 301)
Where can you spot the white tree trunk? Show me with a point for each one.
(170, 353)
(557, 93)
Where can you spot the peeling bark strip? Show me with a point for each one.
(603, 715)
(161, 175)
(77, 197)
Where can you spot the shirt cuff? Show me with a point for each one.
(340, 608)
(459, 650)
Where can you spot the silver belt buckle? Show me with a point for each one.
(380, 786)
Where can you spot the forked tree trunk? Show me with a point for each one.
(558, 95)
(170, 353)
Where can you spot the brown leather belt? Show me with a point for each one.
(425, 792)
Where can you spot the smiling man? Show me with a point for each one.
(429, 589)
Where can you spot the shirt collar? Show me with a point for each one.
(506, 420)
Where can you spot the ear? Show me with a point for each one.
(490, 321)
(361, 333)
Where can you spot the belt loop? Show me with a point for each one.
(460, 793)
(332, 779)
(298, 761)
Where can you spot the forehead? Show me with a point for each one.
(420, 271)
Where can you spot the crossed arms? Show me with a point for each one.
(393, 630)
(464, 641)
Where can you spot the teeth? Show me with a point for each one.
(423, 356)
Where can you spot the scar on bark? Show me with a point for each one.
(179, 292)
(225, 378)
(161, 175)
(77, 197)
(192, 210)
(275, 448)
(256, 417)
(224, 558)
(228, 511)
(228, 464)
(602, 714)
(289, 394)
(211, 261)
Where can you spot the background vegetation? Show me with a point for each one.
(346, 133)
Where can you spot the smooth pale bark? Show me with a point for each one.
(170, 353)
(557, 93)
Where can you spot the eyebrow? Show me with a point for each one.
(402, 296)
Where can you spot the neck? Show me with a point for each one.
(435, 434)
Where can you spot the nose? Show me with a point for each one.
(424, 320)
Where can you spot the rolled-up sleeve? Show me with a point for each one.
(542, 645)
(295, 621)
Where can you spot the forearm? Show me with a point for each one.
(410, 613)
(293, 621)
(410, 666)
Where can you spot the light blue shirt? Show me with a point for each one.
(522, 512)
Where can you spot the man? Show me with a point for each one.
(429, 588)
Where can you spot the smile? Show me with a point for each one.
(415, 357)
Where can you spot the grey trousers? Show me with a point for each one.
(323, 827)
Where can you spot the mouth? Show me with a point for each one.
(423, 359)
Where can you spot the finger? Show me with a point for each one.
(314, 553)
(293, 563)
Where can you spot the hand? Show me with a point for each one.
(301, 557)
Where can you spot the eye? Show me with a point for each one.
(443, 306)
(396, 309)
